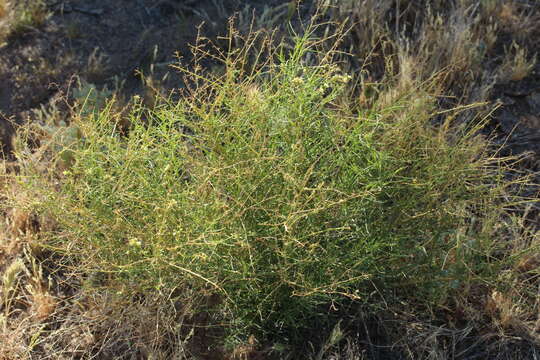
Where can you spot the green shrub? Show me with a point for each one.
(257, 189)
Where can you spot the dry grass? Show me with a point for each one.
(517, 64)
(19, 17)
(4, 21)
(97, 67)
(3, 9)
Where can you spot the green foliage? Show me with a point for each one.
(259, 190)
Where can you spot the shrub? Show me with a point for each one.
(258, 190)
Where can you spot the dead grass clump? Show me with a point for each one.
(111, 325)
(38, 289)
(520, 20)
(21, 226)
(15, 326)
(517, 64)
(5, 11)
(449, 44)
(19, 17)
(97, 67)
(29, 14)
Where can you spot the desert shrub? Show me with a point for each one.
(263, 191)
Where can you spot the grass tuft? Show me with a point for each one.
(18, 17)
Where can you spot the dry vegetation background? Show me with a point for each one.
(61, 60)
